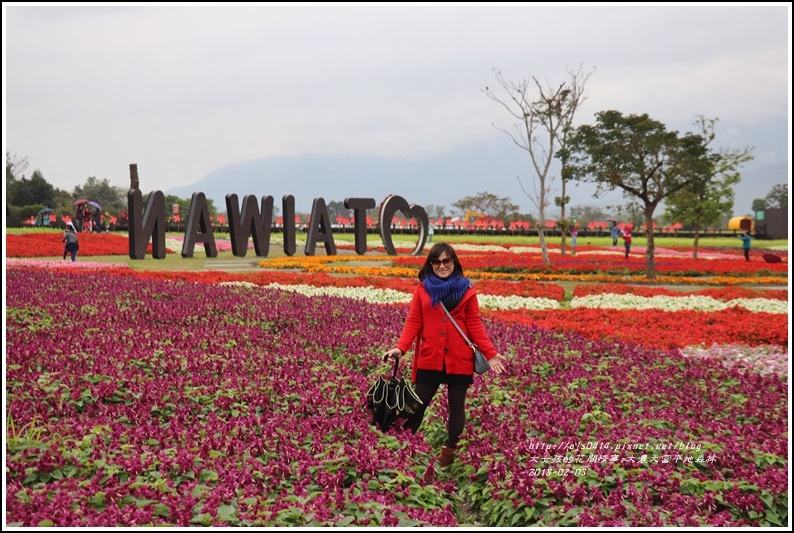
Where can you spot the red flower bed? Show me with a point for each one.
(321, 279)
(658, 328)
(617, 263)
(653, 328)
(723, 294)
(51, 245)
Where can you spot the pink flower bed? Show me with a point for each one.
(142, 402)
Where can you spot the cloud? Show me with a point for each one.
(182, 91)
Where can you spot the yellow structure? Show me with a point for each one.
(742, 224)
(469, 214)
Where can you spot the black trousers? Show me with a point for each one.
(747, 253)
(456, 397)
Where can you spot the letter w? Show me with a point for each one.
(251, 221)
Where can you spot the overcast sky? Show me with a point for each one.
(182, 91)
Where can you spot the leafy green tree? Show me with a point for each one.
(778, 196)
(15, 171)
(336, 208)
(101, 192)
(488, 204)
(168, 205)
(585, 214)
(639, 156)
(630, 212)
(63, 203)
(434, 211)
(542, 126)
(35, 190)
(760, 204)
(704, 201)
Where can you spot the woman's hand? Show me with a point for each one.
(497, 363)
(394, 353)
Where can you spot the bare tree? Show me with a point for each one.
(543, 121)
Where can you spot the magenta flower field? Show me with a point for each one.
(143, 402)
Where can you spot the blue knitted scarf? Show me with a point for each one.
(454, 287)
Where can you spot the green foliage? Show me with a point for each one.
(103, 193)
(636, 154)
(759, 204)
(778, 196)
(707, 199)
(639, 156)
(35, 190)
(488, 204)
(584, 214)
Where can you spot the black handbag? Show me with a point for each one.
(481, 365)
(391, 400)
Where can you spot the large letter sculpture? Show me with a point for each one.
(319, 229)
(146, 225)
(250, 222)
(359, 207)
(199, 218)
(288, 207)
(388, 209)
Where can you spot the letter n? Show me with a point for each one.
(199, 218)
(146, 225)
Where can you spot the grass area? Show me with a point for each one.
(175, 262)
(583, 240)
(659, 241)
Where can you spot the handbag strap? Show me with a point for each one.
(457, 327)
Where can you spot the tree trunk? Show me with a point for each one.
(562, 217)
(542, 216)
(649, 251)
(544, 251)
(697, 238)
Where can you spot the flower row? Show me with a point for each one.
(482, 261)
(50, 244)
(186, 408)
(670, 326)
(612, 263)
(410, 266)
(491, 301)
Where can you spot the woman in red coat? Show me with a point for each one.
(441, 355)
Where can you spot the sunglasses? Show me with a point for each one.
(445, 262)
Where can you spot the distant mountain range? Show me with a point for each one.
(440, 180)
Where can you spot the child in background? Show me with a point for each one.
(70, 238)
(745, 244)
(626, 234)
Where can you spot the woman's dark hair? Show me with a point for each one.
(434, 253)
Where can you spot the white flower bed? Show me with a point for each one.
(370, 294)
(677, 303)
(390, 296)
(763, 359)
(13, 262)
(516, 302)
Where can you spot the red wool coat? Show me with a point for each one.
(438, 343)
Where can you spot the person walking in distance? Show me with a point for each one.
(614, 231)
(626, 234)
(745, 237)
(70, 238)
(441, 355)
